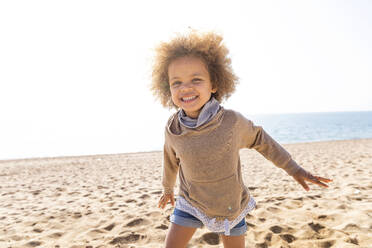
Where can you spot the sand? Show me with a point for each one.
(111, 200)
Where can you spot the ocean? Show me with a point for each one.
(308, 127)
(27, 141)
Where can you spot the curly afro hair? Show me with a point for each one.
(206, 46)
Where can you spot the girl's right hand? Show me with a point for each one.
(164, 199)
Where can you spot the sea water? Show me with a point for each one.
(308, 127)
(27, 141)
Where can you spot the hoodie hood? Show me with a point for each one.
(175, 127)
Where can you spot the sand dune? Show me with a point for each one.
(111, 200)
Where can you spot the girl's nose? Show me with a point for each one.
(186, 86)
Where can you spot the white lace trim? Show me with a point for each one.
(211, 223)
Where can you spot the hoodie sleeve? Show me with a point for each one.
(255, 137)
(170, 168)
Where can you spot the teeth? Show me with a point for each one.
(188, 98)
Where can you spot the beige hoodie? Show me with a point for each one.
(207, 159)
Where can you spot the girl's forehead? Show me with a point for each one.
(187, 65)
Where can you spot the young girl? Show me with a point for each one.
(202, 140)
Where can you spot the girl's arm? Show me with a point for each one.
(255, 137)
(170, 170)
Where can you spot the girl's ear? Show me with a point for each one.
(214, 88)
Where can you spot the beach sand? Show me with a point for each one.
(111, 200)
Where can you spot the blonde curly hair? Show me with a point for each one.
(206, 46)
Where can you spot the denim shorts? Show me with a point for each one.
(182, 218)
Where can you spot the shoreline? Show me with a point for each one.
(147, 152)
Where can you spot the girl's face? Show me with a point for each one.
(189, 84)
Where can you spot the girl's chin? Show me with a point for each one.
(190, 106)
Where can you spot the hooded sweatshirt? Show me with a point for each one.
(207, 161)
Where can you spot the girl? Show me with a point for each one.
(202, 140)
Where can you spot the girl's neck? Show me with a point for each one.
(208, 111)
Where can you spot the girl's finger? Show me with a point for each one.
(304, 185)
(161, 203)
(326, 180)
(322, 184)
(316, 181)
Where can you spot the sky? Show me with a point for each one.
(75, 75)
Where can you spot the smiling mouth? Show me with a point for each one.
(188, 99)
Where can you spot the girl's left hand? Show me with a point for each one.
(302, 175)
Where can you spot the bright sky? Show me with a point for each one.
(74, 75)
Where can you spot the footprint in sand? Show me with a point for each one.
(144, 196)
(131, 238)
(56, 235)
(314, 196)
(211, 238)
(327, 244)
(250, 224)
(276, 229)
(351, 227)
(342, 206)
(162, 227)
(352, 241)
(94, 233)
(273, 209)
(137, 222)
(288, 238)
(88, 212)
(159, 192)
(315, 226)
(268, 236)
(74, 193)
(101, 187)
(154, 214)
(109, 227)
(280, 198)
(56, 195)
(77, 215)
(16, 238)
(36, 192)
(262, 245)
(34, 243)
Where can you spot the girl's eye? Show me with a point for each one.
(176, 83)
(196, 80)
